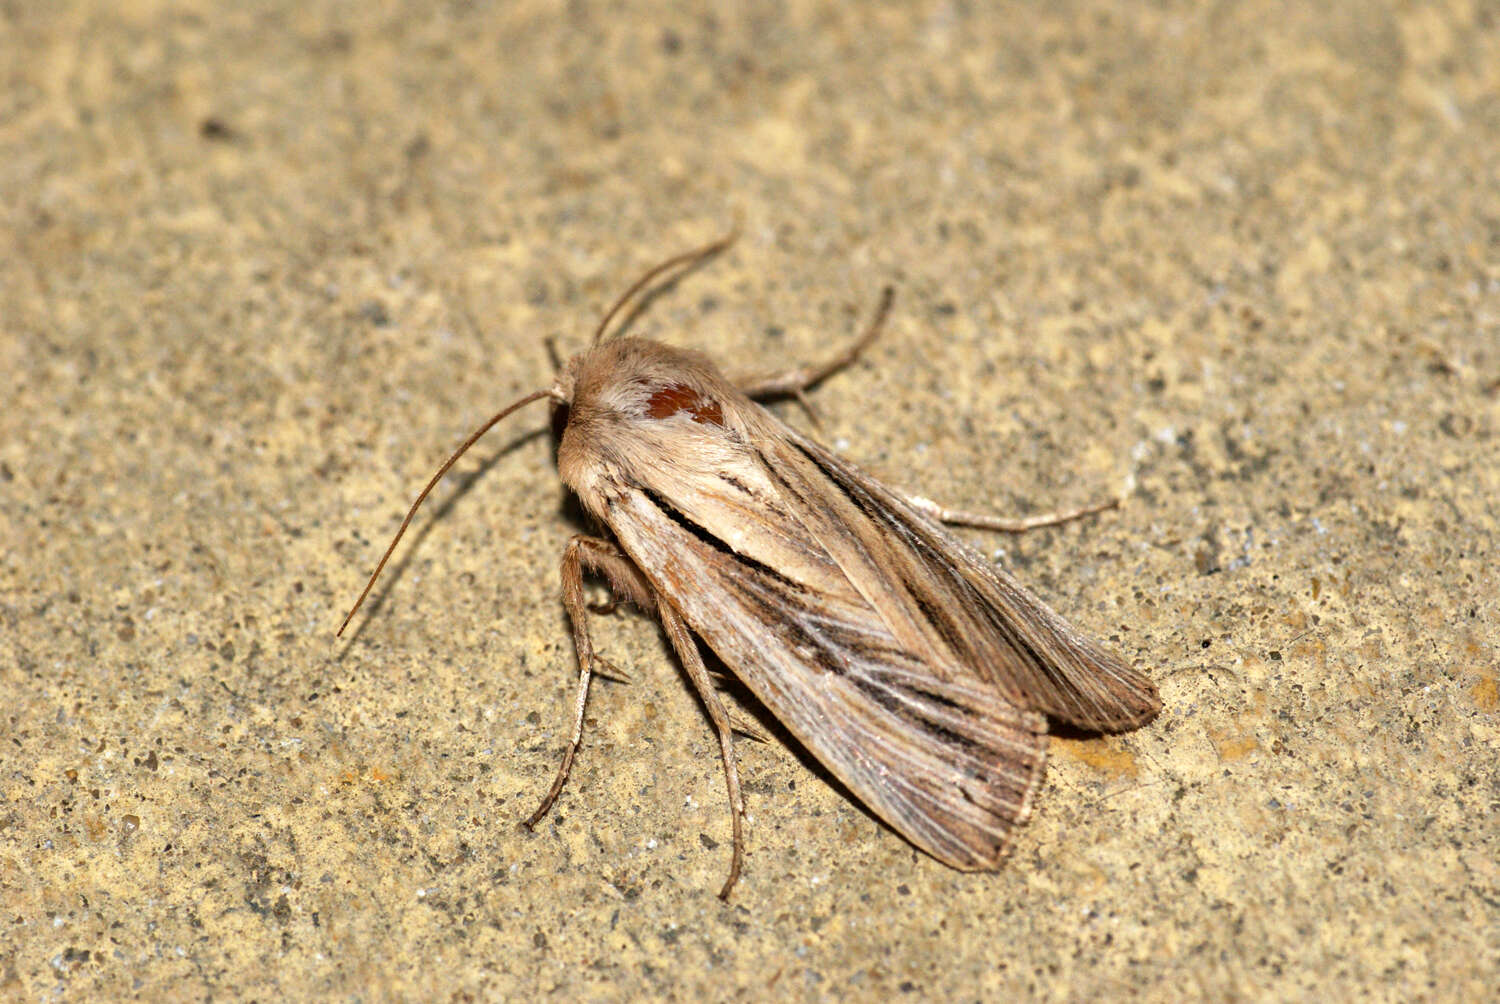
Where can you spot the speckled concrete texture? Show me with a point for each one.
(265, 263)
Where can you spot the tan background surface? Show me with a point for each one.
(264, 264)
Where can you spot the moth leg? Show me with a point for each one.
(791, 383)
(603, 558)
(747, 728)
(692, 661)
(625, 581)
(985, 521)
(605, 606)
(611, 671)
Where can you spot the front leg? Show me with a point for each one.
(795, 382)
(592, 554)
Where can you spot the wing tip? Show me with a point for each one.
(993, 855)
(1138, 707)
(1029, 798)
(1098, 692)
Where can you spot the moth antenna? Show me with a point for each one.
(473, 438)
(686, 258)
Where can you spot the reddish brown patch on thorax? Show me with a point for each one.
(678, 397)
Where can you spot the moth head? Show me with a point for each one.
(564, 385)
(588, 378)
(565, 382)
(634, 380)
(584, 379)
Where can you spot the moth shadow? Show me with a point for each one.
(396, 571)
(1059, 729)
(577, 517)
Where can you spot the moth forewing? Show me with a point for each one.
(915, 671)
(1001, 630)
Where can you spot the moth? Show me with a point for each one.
(914, 670)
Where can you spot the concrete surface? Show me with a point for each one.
(264, 264)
